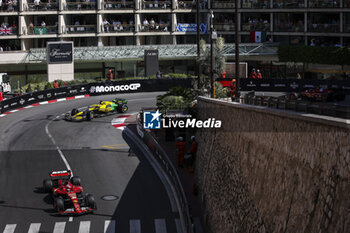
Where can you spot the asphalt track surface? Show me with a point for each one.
(96, 152)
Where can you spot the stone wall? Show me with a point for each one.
(267, 170)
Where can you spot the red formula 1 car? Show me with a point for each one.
(322, 94)
(67, 194)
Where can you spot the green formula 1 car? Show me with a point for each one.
(104, 108)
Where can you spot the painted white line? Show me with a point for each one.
(59, 227)
(70, 219)
(29, 106)
(58, 149)
(84, 227)
(135, 226)
(14, 110)
(62, 99)
(34, 228)
(178, 225)
(160, 225)
(109, 226)
(10, 228)
(2, 115)
(44, 102)
(79, 96)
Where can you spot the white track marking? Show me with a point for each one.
(58, 149)
(59, 227)
(84, 227)
(29, 106)
(178, 225)
(160, 225)
(109, 226)
(2, 115)
(34, 228)
(79, 96)
(70, 219)
(44, 102)
(10, 228)
(14, 110)
(135, 226)
(62, 99)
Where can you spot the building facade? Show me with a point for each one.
(30, 24)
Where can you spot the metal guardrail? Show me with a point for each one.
(325, 109)
(163, 159)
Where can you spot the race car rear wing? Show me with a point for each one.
(60, 173)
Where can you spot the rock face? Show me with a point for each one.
(271, 171)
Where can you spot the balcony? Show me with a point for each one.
(260, 26)
(324, 4)
(255, 4)
(45, 6)
(224, 27)
(112, 28)
(9, 6)
(40, 30)
(223, 5)
(288, 27)
(115, 5)
(156, 5)
(323, 27)
(186, 4)
(78, 6)
(76, 29)
(289, 4)
(161, 27)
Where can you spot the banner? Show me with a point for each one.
(40, 31)
(257, 37)
(192, 27)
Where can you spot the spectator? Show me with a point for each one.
(55, 84)
(180, 151)
(43, 24)
(258, 75)
(37, 4)
(193, 152)
(145, 25)
(253, 73)
(1, 49)
(1, 5)
(152, 24)
(298, 76)
(159, 75)
(110, 74)
(31, 28)
(106, 25)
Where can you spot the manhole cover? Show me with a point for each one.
(109, 197)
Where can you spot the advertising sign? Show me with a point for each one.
(151, 62)
(60, 52)
(192, 27)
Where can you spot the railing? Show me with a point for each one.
(256, 27)
(186, 4)
(77, 6)
(110, 5)
(156, 4)
(40, 30)
(288, 28)
(324, 27)
(154, 27)
(224, 26)
(324, 4)
(9, 7)
(289, 4)
(118, 28)
(80, 29)
(45, 6)
(299, 106)
(167, 166)
(256, 5)
(223, 5)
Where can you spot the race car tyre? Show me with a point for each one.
(47, 185)
(74, 111)
(59, 204)
(123, 108)
(89, 115)
(90, 201)
(75, 180)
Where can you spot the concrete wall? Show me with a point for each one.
(272, 171)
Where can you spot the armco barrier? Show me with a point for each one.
(289, 85)
(162, 158)
(98, 88)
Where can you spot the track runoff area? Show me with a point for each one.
(129, 195)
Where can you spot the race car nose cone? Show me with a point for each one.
(109, 197)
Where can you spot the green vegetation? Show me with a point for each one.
(316, 55)
(177, 98)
